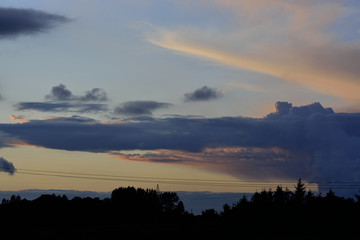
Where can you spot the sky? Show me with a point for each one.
(206, 95)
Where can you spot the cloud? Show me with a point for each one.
(16, 21)
(251, 163)
(6, 166)
(62, 99)
(286, 109)
(137, 108)
(61, 93)
(94, 95)
(282, 108)
(298, 41)
(202, 94)
(18, 118)
(311, 142)
(61, 107)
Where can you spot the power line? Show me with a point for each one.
(178, 181)
(187, 181)
(138, 177)
(144, 180)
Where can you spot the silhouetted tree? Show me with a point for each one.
(133, 203)
(281, 197)
(299, 194)
(244, 201)
(269, 214)
(209, 213)
(226, 210)
(170, 203)
(180, 208)
(264, 198)
(310, 197)
(330, 195)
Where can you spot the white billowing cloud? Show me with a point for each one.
(294, 40)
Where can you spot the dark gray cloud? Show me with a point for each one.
(61, 93)
(62, 99)
(15, 21)
(202, 94)
(61, 107)
(310, 141)
(137, 108)
(94, 95)
(6, 166)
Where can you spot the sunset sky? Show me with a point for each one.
(207, 95)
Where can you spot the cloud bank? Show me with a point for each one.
(308, 141)
(15, 21)
(202, 94)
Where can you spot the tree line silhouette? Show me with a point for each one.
(279, 213)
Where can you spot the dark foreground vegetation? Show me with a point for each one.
(130, 212)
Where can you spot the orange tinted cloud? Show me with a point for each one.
(18, 118)
(243, 162)
(22, 143)
(289, 40)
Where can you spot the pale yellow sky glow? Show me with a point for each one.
(110, 172)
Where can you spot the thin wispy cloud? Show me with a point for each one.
(61, 107)
(287, 40)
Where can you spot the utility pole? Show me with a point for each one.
(157, 188)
